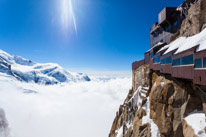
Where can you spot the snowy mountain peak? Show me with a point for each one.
(28, 71)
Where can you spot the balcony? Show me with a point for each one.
(165, 14)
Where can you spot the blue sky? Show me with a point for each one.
(103, 35)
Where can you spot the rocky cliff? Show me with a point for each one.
(195, 20)
(162, 106)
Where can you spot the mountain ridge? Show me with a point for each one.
(41, 73)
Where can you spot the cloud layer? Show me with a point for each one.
(85, 109)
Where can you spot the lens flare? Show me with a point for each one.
(67, 15)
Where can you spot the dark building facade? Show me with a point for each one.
(188, 64)
(169, 22)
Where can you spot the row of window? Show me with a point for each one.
(187, 60)
(167, 60)
(176, 62)
(199, 63)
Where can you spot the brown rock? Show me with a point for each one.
(187, 130)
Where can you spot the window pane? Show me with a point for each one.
(204, 63)
(151, 55)
(168, 60)
(178, 62)
(174, 62)
(198, 63)
(184, 61)
(158, 59)
(190, 59)
(163, 61)
(175, 23)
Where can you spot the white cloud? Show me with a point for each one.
(85, 109)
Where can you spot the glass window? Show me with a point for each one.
(204, 63)
(163, 61)
(156, 60)
(187, 60)
(190, 59)
(176, 62)
(198, 63)
(168, 60)
(151, 55)
(184, 60)
(175, 23)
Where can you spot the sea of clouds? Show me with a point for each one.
(85, 109)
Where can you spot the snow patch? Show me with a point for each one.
(120, 132)
(162, 84)
(146, 119)
(197, 121)
(155, 84)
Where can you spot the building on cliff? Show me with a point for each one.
(168, 97)
(169, 22)
(178, 43)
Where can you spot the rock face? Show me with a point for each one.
(4, 130)
(195, 19)
(159, 109)
(171, 101)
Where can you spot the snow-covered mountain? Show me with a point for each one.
(29, 71)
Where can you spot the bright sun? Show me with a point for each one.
(67, 14)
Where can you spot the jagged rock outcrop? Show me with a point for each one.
(171, 101)
(160, 109)
(195, 19)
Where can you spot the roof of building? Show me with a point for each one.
(184, 43)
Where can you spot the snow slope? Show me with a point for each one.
(28, 71)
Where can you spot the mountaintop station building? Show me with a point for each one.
(184, 58)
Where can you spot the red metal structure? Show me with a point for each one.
(188, 64)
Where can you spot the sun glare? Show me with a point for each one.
(68, 15)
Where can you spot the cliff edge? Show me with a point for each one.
(160, 105)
